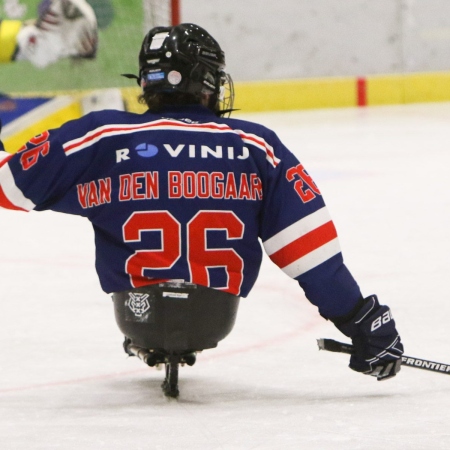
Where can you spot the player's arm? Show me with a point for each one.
(41, 172)
(300, 237)
(26, 177)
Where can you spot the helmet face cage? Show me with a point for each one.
(185, 59)
(225, 99)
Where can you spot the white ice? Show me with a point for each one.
(65, 382)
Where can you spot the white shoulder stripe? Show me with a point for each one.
(11, 191)
(3, 155)
(296, 230)
(109, 130)
(105, 131)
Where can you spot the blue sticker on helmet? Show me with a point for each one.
(155, 76)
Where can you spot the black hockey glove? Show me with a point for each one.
(377, 346)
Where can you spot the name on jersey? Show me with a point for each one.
(188, 184)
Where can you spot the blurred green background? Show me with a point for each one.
(121, 30)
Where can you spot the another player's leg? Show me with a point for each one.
(63, 29)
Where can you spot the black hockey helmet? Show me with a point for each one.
(185, 58)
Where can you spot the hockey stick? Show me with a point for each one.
(335, 346)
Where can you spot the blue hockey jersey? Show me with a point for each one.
(183, 194)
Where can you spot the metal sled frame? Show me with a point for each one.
(172, 361)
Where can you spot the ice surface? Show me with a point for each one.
(66, 384)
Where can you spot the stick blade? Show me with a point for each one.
(334, 346)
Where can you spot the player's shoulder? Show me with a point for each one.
(244, 124)
(114, 116)
(98, 121)
(252, 128)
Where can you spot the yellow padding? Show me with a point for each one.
(428, 87)
(408, 88)
(277, 95)
(53, 120)
(295, 94)
(8, 38)
(385, 90)
(322, 92)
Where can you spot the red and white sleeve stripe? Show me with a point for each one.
(11, 197)
(305, 244)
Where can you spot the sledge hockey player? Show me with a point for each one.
(180, 198)
(63, 29)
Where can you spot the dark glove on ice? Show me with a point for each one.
(377, 345)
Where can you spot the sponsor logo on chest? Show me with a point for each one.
(145, 150)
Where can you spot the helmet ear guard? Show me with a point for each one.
(185, 59)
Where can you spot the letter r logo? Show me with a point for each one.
(122, 154)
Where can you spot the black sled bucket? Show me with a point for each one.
(175, 317)
(168, 323)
